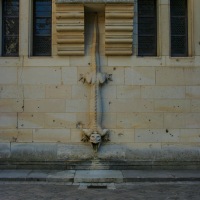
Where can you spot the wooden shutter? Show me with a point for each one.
(119, 29)
(70, 29)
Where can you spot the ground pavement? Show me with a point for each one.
(100, 184)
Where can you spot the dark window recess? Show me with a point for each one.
(42, 27)
(179, 27)
(10, 27)
(147, 28)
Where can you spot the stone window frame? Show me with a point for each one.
(190, 32)
(160, 37)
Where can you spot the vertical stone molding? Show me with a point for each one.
(119, 29)
(95, 134)
(70, 29)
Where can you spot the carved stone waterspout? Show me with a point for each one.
(95, 134)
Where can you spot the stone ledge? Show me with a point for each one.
(99, 176)
(99, 165)
(94, 1)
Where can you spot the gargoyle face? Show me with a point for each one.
(95, 140)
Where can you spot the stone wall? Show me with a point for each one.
(151, 107)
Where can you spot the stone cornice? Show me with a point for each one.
(95, 1)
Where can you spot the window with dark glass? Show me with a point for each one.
(179, 27)
(147, 28)
(42, 12)
(10, 27)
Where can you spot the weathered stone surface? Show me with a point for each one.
(157, 135)
(170, 76)
(34, 91)
(128, 92)
(58, 92)
(11, 92)
(45, 75)
(76, 135)
(122, 136)
(195, 106)
(139, 120)
(128, 106)
(11, 105)
(33, 152)
(109, 120)
(60, 120)
(98, 176)
(172, 105)
(158, 175)
(140, 76)
(95, 1)
(80, 92)
(174, 120)
(163, 92)
(179, 152)
(192, 76)
(16, 135)
(77, 105)
(44, 105)
(61, 176)
(74, 152)
(5, 151)
(8, 75)
(13, 175)
(8, 120)
(69, 75)
(31, 120)
(151, 107)
(38, 175)
(117, 75)
(51, 135)
(189, 136)
(111, 151)
(133, 175)
(193, 92)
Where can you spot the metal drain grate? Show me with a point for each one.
(97, 187)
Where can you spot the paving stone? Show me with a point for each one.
(136, 191)
(14, 175)
(61, 176)
(160, 175)
(38, 175)
(100, 176)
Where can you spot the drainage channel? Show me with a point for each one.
(96, 186)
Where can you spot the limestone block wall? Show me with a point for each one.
(152, 106)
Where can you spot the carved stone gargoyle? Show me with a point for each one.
(95, 134)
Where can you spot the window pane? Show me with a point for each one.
(42, 28)
(147, 28)
(179, 23)
(10, 28)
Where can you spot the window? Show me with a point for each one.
(10, 27)
(179, 27)
(147, 28)
(42, 27)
